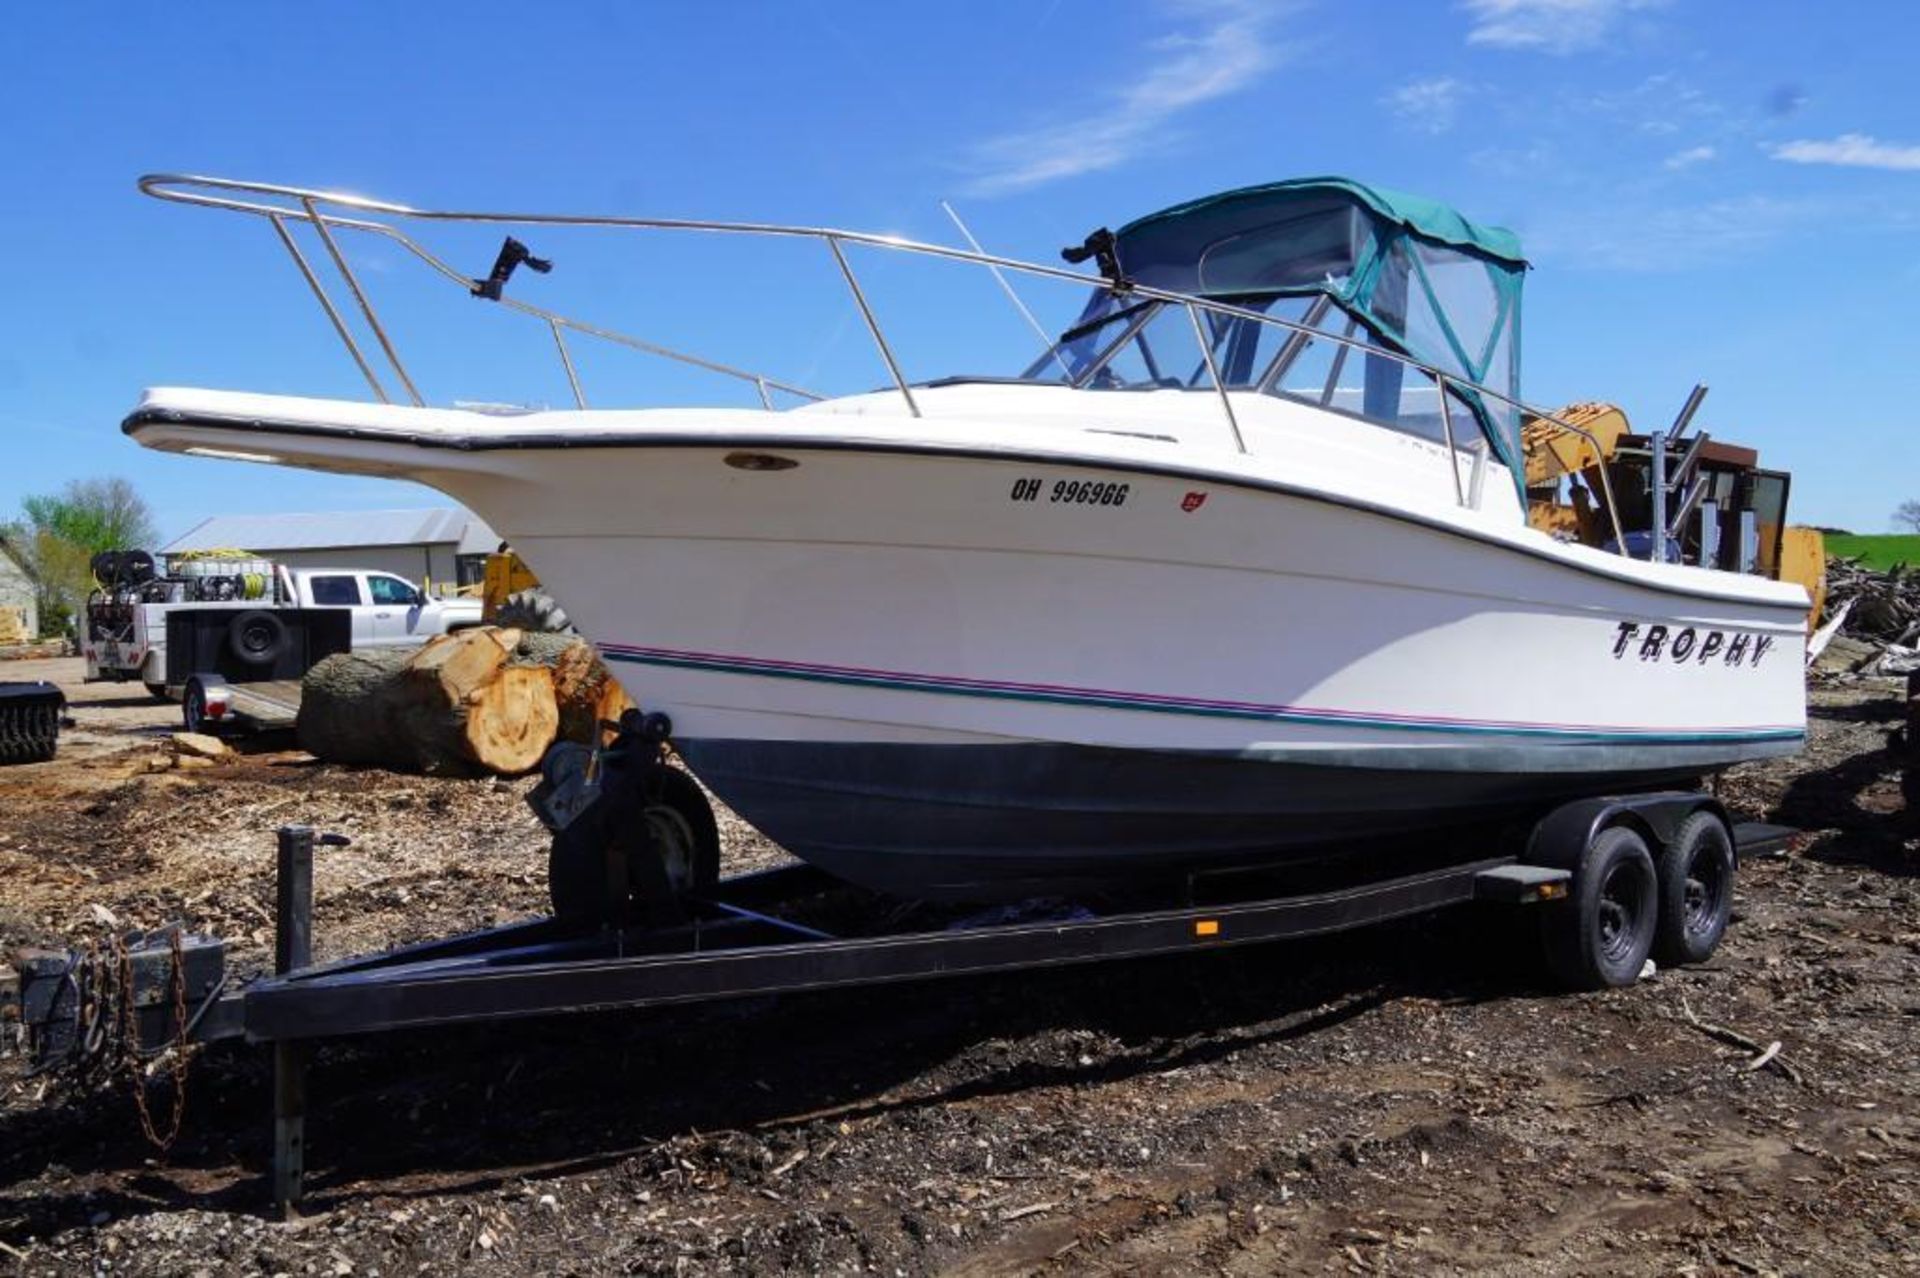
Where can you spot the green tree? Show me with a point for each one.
(60, 533)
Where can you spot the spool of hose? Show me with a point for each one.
(136, 567)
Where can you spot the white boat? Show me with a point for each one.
(1146, 610)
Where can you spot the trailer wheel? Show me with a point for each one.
(257, 638)
(193, 706)
(679, 822)
(688, 836)
(1695, 872)
(1601, 936)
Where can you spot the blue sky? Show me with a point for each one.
(1716, 191)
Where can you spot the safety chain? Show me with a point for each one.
(176, 1053)
(107, 1031)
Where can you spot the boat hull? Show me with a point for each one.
(945, 822)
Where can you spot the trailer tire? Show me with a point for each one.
(1695, 873)
(1601, 935)
(257, 638)
(193, 706)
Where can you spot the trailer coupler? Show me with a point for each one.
(85, 1012)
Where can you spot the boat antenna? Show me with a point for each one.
(1006, 286)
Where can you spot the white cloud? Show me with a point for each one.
(1669, 238)
(1430, 106)
(1226, 48)
(1854, 150)
(1659, 106)
(1688, 158)
(1553, 26)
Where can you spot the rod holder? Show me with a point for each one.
(1687, 410)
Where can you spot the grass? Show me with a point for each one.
(1880, 553)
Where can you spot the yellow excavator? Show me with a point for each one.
(511, 595)
(1720, 508)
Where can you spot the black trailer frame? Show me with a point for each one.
(734, 943)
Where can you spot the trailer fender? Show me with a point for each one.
(206, 703)
(1563, 835)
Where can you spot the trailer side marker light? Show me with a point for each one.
(1551, 891)
(1206, 927)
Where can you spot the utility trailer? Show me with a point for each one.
(243, 670)
(641, 919)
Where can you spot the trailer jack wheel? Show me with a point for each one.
(636, 852)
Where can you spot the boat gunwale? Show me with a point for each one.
(155, 415)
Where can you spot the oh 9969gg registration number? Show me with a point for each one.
(1071, 492)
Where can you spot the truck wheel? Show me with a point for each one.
(257, 638)
(1695, 873)
(158, 691)
(1601, 935)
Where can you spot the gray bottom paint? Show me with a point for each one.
(1006, 822)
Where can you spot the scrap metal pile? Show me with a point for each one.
(1872, 619)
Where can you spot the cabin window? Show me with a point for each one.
(335, 591)
(391, 590)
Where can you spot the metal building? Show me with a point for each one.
(443, 547)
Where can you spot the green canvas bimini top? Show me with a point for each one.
(1427, 218)
(1424, 280)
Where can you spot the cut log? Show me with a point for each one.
(483, 700)
(587, 694)
(453, 706)
(510, 720)
(463, 662)
(349, 707)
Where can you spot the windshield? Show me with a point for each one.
(1332, 360)
(1347, 264)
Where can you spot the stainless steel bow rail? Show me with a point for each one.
(751, 935)
(329, 211)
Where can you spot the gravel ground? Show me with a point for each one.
(1406, 1098)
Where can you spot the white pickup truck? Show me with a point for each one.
(126, 639)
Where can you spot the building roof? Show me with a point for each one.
(12, 554)
(342, 529)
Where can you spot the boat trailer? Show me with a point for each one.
(151, 997)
